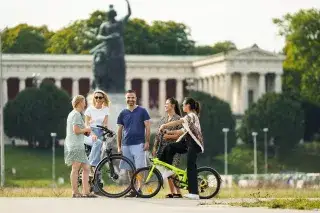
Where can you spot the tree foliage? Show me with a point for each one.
(24, 38)
(35, 113)
(215, 114)
(302, 49)
(140, 38)
(283, 116)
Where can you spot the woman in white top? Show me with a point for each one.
(96, 114)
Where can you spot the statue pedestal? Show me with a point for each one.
(118, 103)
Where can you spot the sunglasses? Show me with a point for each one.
(98, 97)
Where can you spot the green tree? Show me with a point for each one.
(172, 38)
(138, 38)
(219, 47)
(35, 113)
(281, 114)
(224, 46)
(302, 49)
(215, 114)
(24, 38)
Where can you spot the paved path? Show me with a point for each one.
(69, 205)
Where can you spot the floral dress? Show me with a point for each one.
(160, 143)
(74, 150)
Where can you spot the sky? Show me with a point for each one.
(244, 22)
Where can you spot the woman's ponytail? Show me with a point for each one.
(197, 108)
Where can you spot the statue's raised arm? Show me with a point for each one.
(125, 19)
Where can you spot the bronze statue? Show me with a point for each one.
(109, 66)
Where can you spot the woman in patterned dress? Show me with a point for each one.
(163, 139)
(75, 155)
(192, 143)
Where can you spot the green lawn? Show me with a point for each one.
(33, 166)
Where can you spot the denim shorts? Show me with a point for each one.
(136, 155)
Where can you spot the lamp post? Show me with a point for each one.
(265, 130)
(1, 121)
(225, 131)
(53, 135)
(254, 135)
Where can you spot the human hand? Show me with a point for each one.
(87, 130)
(119, 150)
(154, 152)
(94, 137)
(162, 127)
(146, 146)
(166, 136)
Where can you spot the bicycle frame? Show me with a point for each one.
(178, 172)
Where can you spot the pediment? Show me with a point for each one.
(253, 52)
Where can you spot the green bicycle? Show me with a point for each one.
(151, 177)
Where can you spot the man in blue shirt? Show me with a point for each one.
(133, 132)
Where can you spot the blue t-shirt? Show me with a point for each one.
(133, 125)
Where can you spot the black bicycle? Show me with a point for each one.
(111, 176)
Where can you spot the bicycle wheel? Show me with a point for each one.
(113, 176)
(138, 182)
(209, 182)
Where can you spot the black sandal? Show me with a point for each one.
(169, 196)
(89, 196)
(177, 195)
(77, 195)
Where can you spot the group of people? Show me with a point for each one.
(176, 135)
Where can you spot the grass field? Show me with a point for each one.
(33, 167)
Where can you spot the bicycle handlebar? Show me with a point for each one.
(106, 130)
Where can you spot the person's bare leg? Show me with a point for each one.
(74, 177)
(85, 178)
(171, 186)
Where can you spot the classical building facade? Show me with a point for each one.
(238, 77)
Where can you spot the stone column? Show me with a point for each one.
(227, 87)
(162, 95)
(278, 83)
(128, 84)
(58, 82)
(5, 91)
(244, 92)
(205, 85)
(145, 93)
(211, 85)
(215, 86)
(22, 84)
(75, 87)
(200, 85)
(179, 90)
(262, 85)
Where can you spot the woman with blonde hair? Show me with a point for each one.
(75, 155)
(96, 114)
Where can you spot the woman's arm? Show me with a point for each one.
(125, 19)
(173, 135)
(87, 120)
(105, 121)
(77, 130)
(173, 123)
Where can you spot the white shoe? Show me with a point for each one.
(192, 196)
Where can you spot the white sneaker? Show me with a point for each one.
(192, 196)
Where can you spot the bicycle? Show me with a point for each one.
(113, 173)
(179, 177)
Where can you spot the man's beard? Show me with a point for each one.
(131, 103)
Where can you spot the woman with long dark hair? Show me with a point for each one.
(190, 142)
(163, 139)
